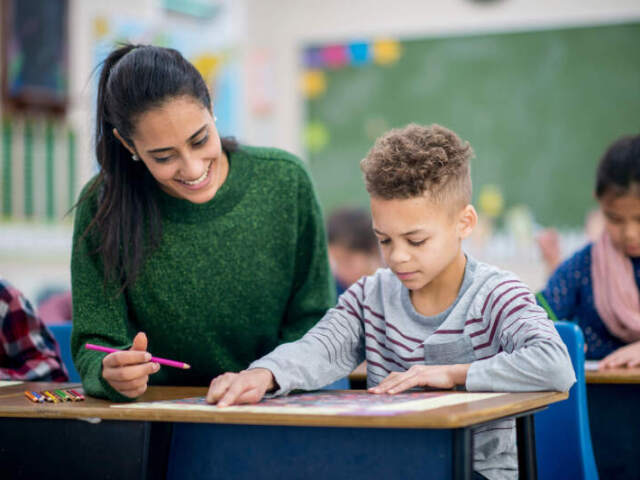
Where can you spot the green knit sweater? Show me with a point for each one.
(230, 280)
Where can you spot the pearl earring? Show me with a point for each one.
(215, 119)
(134, 157)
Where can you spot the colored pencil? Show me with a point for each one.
(31, 396)
(50, 395)
(38, 396)
(77, 394)
(162, 361)
(62, 395)
(71, 396)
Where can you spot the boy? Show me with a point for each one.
(28, 351)
(353, 248)
(435, 317)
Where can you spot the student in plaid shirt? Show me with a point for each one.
(28, 351)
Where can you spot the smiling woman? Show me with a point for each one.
(208, 252)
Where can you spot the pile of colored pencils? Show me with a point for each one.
(54, 396)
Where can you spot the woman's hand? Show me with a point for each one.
(248, 386)
(437, 376)
(128, 371)
(627, 356)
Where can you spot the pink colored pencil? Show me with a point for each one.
(161, 361)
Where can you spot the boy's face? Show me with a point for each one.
(419, 238)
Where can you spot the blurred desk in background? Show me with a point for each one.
(614, 418)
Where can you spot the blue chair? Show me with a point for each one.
(62, 334)
(563, 438)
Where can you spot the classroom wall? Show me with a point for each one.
(283, 27)
(272, 34)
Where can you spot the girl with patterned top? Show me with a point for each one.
(598, 286)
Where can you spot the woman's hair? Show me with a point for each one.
(127, 224)
(619, 169)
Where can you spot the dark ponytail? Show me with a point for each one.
(127, 225)
(619, 169)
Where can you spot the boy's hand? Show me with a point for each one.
(437, 376)
(128, 371)
(627, 356)
(248, 386)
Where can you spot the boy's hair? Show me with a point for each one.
(619, 169)
(410, 161)
(350, 227)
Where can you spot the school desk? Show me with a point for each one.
(91, 440)
(614, 419)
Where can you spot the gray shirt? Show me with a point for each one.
(494, 323)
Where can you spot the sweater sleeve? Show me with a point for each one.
(531, 355)
(99, 311)
(561, 295)
(329, 351)
(313, 291)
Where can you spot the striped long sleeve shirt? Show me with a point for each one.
(495, 324)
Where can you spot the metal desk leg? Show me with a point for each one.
(526, 438)
(462, 454)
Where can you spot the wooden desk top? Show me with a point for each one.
(13, 403)
(617, 375)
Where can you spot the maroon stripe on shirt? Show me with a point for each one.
(391, 340)
(406, 359)
(393, 327)
(522, 319)
(390, 325)
(446, 332)
(473, 320)
(496, 322)
(491, 293)
(348, 310)
(379, 365)
(375, 314)
(505, 292)
(351, 307)
(355, 297)
(387, 359)
(484, 330)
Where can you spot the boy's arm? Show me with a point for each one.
(327, 352)
(28, 351)
(531, 355)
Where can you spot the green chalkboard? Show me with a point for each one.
(539, 108)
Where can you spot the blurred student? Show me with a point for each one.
(548, 239)
(353, 248)
(56, 308)
(598, 285)
(28, 351)
(436, 317)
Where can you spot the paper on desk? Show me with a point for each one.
(8, 383)
(324, 403)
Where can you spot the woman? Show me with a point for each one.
(216, 252)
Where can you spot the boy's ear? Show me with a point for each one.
(124, 143)
(467, 220)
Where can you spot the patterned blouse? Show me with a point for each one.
(569, 296)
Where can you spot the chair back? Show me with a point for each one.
(62, 334)
(563, 438)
